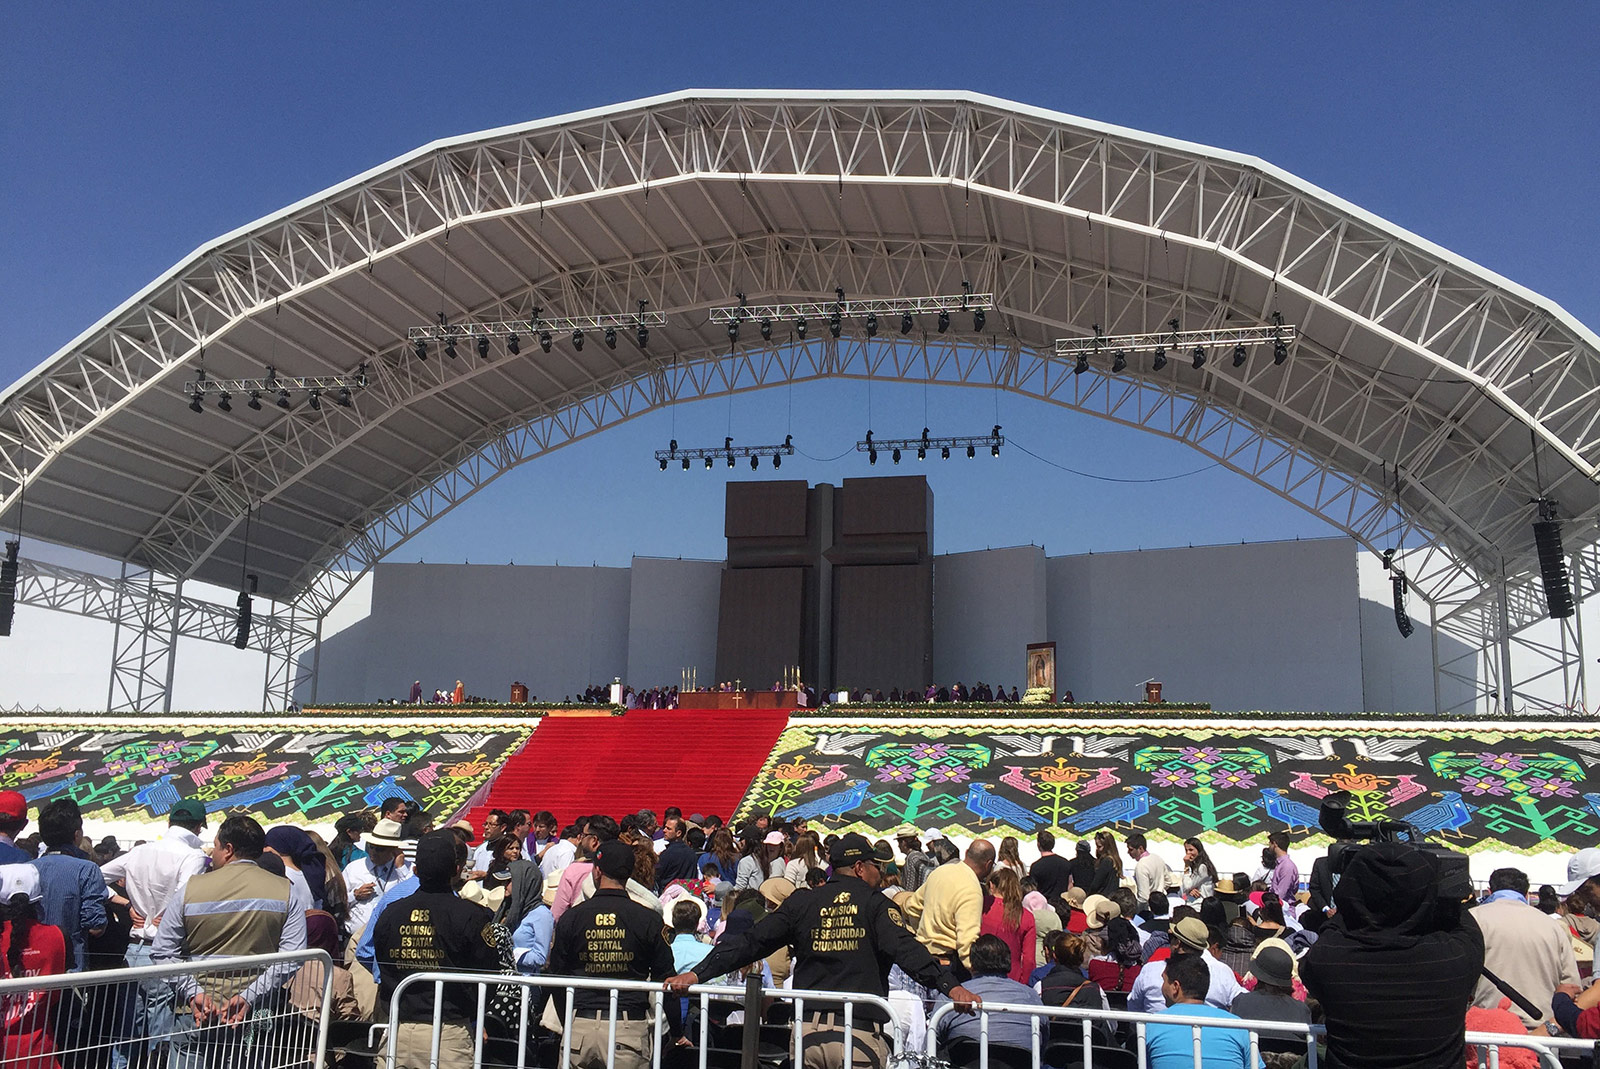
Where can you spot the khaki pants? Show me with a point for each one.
(413, 1045)
(822, 1043)
(591, 1042)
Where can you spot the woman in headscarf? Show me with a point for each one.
(302, 861)
(305, 987)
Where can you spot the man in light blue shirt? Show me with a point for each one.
(531, 941)
(1189, 936)
(991, 964)
(1186, 980)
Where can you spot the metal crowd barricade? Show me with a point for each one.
(272, 1013)
(1489, 1044)
(486, 984)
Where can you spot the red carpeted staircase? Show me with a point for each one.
(700, 760)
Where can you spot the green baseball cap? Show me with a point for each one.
(188, 810)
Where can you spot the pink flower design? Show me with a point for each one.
(1502, 762)
(1173, 777)
(949, 774)
(895, 774)
(1481, 785)
(929, 751)
(1549, 788)
(1200, 755)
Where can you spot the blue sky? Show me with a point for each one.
(131, 139)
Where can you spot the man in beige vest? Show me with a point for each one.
(237, 908)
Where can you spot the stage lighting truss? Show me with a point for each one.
(537, 327)
(275, 388)
(1114, 349)
(898, 313)
(926, 445)
(728, 452)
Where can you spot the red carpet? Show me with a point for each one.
(700, 760)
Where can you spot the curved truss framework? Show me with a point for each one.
(1427, 403)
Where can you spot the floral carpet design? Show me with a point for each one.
(1525, 789)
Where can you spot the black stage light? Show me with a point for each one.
(766, 330)
(777, 461)
(225, 402)
(194, 403)
(1082, 365)
(872, 456)
(922, 452)
(733, 330)
(512, 345)
(872, 324)
(994, 450)
(1280, 352)
(895, 456)
(611, 337)
(944, 321)
(577, 340)
(1160, 361)
(422, 349)
(641, 337)
(283, 398)
(545, 341)
(663, 463)
(978, 320)
(255, 400)
(1119, 361)
(344, 397)
(708, 463)
(944, 452)
(835, 322)
(1199, 357)
(1553, 564)
(730, 460)
(799, 328)
(1239, 356)
(450, 348)
(905, 322)
(755, 462)
(316, 400)
(685, 463)
(971, 452)
(483, 348)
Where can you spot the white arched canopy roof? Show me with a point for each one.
(1427, 399)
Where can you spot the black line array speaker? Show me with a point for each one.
(1553, 569)
(8, 587)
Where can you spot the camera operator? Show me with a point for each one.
(1396, 964)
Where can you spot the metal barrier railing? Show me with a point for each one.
(842, 1006)
(1489, 1044)
(217, 1013)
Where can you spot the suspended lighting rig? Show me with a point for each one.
(275, 388)
(729, 452)
(925, 445)
(1193, 345)
(901, 312)
(537, 327)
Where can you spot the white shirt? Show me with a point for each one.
(1150, 873)
(1146, 995)
(558, 857)
(360, 871)
(150, 873)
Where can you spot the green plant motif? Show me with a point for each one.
(918, 768)
(1058, 787)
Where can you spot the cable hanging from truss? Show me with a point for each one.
(727, 451)
(924, 445)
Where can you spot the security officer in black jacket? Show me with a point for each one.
(610, 935)
(846, 935)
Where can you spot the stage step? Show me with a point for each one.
(700, 760)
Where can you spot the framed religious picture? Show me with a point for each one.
(1041, 673)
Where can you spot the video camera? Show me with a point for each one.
(1455, 883)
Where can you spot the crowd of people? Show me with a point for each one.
(1395, 964)
(808, 697)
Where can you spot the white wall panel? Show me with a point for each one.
(672, 620)
(987, 606)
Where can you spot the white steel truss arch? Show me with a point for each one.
(1428, 399)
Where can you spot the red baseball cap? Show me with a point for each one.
(13, 806)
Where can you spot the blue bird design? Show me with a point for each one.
(385, 788)
(1594, 802)
(1125, 810)
(51, 788)
(254, 796)
(1449, 815)
(158, 797)
(836, 804)
(1280, 806)
(987, 806)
